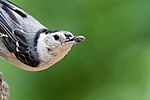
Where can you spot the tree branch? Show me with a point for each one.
(4, 88)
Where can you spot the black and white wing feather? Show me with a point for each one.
(14, 25)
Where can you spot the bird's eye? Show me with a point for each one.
(56, 37)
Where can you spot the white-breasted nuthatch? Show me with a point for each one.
(27, 43)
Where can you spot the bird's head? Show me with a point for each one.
(55, 38)
(54, 43)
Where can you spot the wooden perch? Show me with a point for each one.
(4, 89)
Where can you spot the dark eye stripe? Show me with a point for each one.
(52, 31)
(68, 35)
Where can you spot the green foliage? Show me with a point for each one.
(112, 64)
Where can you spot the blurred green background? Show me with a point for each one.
(112, 64)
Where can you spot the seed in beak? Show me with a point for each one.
(79, 39)
(75, 40)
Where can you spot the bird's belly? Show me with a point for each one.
(43, 65)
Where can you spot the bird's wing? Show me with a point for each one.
(13, 34)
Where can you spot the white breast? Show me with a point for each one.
(43, 65)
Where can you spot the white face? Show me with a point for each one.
(58, 38)
(56, 44)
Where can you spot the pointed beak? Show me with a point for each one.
(75, 40)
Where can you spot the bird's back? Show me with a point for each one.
(18, 19)
(18, 31)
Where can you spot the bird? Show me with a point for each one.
(28, 44)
